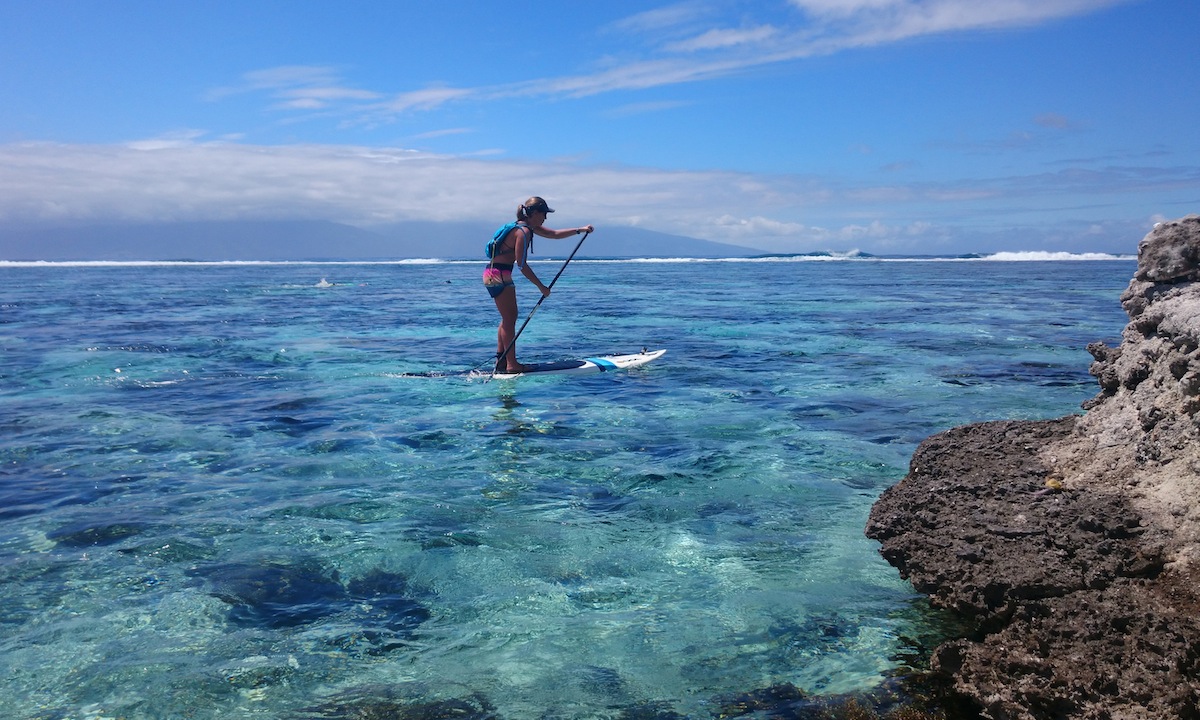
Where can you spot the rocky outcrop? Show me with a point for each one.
(1074, 544)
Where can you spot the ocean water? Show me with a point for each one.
(223, 497)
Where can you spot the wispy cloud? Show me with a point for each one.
(900, 19)
(644, 108)
(844, 8)
(425, 99)
(290, 76)
(723, 38)
(664, 19)
(177, 138)
(1045, 129)
(680, 44)
(275, 78)
(1056, 121)
(312, 98)
(444, 133)
(296, 87)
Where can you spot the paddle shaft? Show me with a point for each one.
(529, 317)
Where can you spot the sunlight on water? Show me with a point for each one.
(222, 498)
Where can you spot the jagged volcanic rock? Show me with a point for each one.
(1074, 544)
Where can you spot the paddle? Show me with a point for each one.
(500, 358)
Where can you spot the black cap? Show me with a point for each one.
(536, 204)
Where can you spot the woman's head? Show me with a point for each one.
(531, 206)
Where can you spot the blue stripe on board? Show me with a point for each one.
(603, 364)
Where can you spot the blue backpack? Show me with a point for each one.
(498, 238)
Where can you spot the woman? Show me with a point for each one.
(510, 247)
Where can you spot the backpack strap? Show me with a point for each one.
(528, 239)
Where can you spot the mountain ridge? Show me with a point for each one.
(297, 240)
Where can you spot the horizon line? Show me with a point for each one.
(1001, 256)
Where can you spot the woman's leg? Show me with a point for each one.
(506, 303)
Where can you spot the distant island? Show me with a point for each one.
(304, 240)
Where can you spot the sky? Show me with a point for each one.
(884, 126)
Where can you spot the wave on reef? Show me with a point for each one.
(1043, 256)
(848, 256)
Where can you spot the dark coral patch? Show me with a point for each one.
(276, 594)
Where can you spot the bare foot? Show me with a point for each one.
(515, 368)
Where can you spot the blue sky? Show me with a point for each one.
(888, 126)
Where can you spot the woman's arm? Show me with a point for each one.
(526, 270)
(533, 278)
(560, 234)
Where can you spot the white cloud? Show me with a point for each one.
(834, 26)
(898, 19)
(822, 27)
(176, 178)
(290, 76)
(426, 99)
(444, 133)
(176, 138)
(662, 19)
(722, 38)
(319, 97)
(296, 87)
(758, 226)
(843, 8)
(631, 76)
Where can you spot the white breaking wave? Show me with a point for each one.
(1043, 256)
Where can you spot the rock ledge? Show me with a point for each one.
(1074, 544)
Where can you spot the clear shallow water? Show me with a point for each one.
(221, 498)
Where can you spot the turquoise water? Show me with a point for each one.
(223, 498)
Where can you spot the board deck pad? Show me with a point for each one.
(601, 363)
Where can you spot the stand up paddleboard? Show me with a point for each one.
(603, 363)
